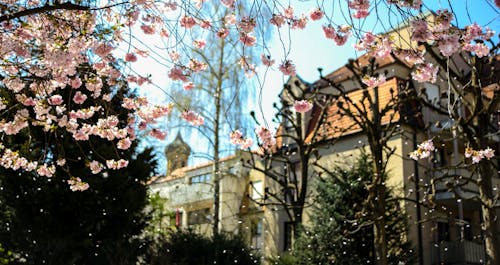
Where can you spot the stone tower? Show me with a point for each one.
(177, 153)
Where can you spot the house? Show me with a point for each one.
(189, 192)
(443, 212)
(445, 224)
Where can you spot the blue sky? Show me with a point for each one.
(308, 49)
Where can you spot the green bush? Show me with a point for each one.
(185, 247)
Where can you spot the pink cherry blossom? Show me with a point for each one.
(246, 25)
(277, 20)
(164, 33)
(287, 68)
(148, 29)
(384, 48)
(448, 44)
(248, 67)
(316, 14)
(300, 23)
(130, 57)
(366, 42)
(192, 117)
(248, 39)
(197, 66)
(113, 164)
(420, 31)
(266, 60)
(61, 162)
(76, 184)
(228, 3)
(55, 100)
(236, 138)
(443, 20)
(205, 24)
(200, 44)
(425, 73)
(424, 150)
(188, 86)
(361, 13)
(329, 32)
(372, 81)
(79, 98)
(177, 73)
(360, 7)
(472, 32)
(174, 56)
(187, 22)
(103, 49)
(488, 153)
(222, 33)
(302, 106)
(480, 49)
(124, 143)
(75, 82)
(339, 36)
(266, 137)
(230, 20)
(46, 171)
(95, 167)
(158, 134)
(289, 12)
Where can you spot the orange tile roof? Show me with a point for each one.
(336, 124)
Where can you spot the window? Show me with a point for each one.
(443, 231)
(205, 178)
(288, 235)
(432, 93)
(201, 216)
(256, 235)
(439, 157)
(257, 191)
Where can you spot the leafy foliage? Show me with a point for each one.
(340, 228)
(46, 222)
(185, 247)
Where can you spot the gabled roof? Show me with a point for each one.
(344, 73)
(335, 124)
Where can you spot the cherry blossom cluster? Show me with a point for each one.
(378, 46)
(339, 35)
(76, 184)
(266, 137)
(361, 7)
(296, 22)
(302, 106)
(236, 138)
(425, 72)
(192, 117)
(373, 81)
(13, 160)
(424, 150)
(477, 156)
(288, 68)
(449, 39)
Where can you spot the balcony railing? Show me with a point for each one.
(458, 253)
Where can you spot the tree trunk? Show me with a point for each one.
(216, 168)
(489, 215)
(379, 232)
(378, 201)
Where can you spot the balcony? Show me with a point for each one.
(458, 253)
